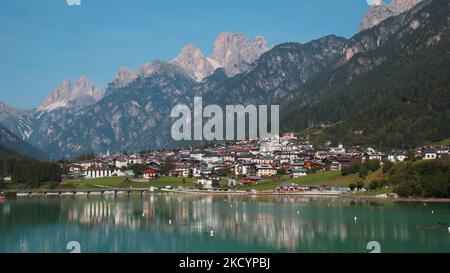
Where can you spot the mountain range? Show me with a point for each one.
(380, 87)
(390, 88)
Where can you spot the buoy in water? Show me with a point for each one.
(170, 221)
(356, 218)
(432, 212)
(298, 212)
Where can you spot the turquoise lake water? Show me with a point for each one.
(183, 223)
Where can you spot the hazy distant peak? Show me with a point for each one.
(66, 93)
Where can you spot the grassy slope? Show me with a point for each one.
(321, 178)
(328, 179)
(120, 182)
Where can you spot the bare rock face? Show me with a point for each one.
(124, 77)
(159, 68)
(18, 121)
(235, 53)
(192, 61)
(381, 11)
(77, 96)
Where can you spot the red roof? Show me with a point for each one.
(151, 171)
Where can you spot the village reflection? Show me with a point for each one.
(278, 223)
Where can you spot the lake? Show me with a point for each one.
(182, 223)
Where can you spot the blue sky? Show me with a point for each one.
(43, 42)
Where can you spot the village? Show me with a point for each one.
(242, 164)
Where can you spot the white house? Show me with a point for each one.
(242, 169)
(210, 158)
(270, 145)
(205, 182)
(134, 159)
(229, 158)
(397, 157)
(298, 172)
(183, 171)
(196, 172)
(121, 162)
(117, 172)
(87, 164)
(372, 156)
(97, 172)
(265, 170)
(196, 155)
(429, 153)
(205, 171)
(338, 150)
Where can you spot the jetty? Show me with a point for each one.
(74, 192)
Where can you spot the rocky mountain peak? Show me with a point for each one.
(381, 11)
(194, 63)
(83, 87)
(66, 93)
(124, 77)
(234, 52)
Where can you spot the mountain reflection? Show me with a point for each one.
(183, 223)
(283, 223)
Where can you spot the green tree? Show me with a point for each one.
(138, 169)
(353, 168)
(360, 185)
(216, 183)
(424, 178)
(352, 186)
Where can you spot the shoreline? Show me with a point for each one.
(326, 194)
(319, 195)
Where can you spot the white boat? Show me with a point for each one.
(52, 194)
(81, 193)
(66, 194)
(22, 194)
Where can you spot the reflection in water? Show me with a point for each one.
(182, 223)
